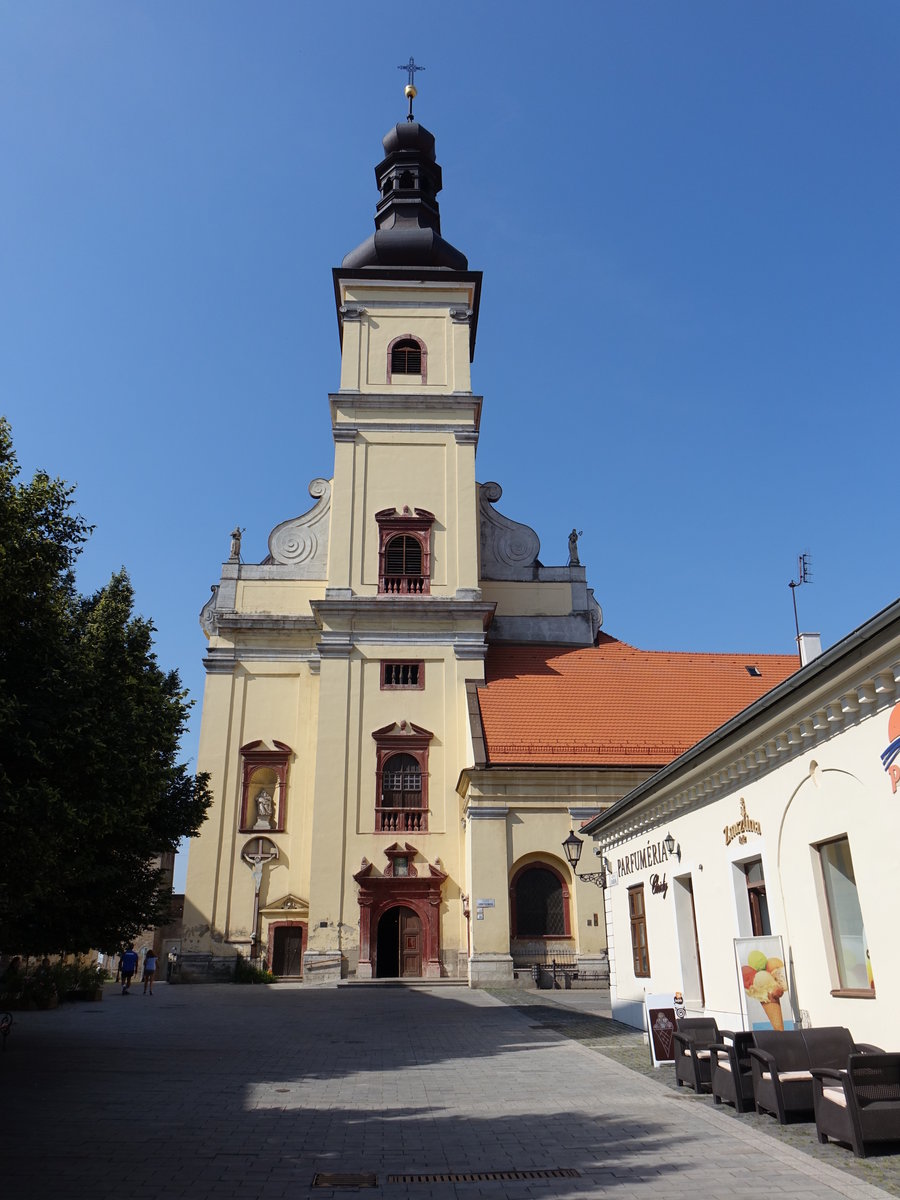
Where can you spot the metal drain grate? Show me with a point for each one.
(324, 1179)
(487, 1176)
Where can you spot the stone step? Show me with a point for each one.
(404, 983)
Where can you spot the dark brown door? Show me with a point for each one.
(287, 951)
(410, 944)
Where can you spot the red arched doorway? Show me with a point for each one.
(417, 895)
(398, 945)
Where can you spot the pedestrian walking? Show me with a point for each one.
(150, 964)
(127, 967)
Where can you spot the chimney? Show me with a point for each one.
(810, 645)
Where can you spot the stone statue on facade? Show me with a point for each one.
(235, 552)
(264, 811)
(574, 560)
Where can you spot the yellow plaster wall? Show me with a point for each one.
(394, 311)
(282, 597)
(347, 775)
(273, 701)
(391, 470)
(528, 599)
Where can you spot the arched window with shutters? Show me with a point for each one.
(401, 795)
(404, 551)
(407, 358)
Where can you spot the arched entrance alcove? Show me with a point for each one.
(394, 909)
(398, 946)
(540, 917)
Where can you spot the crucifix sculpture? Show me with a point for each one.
(256, 854)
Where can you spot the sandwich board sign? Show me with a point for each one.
(663, 1010)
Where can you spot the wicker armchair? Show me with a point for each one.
(693, 1039)
(731, 1078)
(861, 1104)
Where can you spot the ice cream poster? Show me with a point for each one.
(662, 1012)
(762, 976)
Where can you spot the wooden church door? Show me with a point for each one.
(287, 950)
(410, 944)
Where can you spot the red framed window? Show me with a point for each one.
(404, 551)
(401, 789)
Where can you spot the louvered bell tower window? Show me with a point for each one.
(404, 552)
(407, 355)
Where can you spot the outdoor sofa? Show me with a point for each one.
(782, 1063)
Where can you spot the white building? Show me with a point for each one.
(784, 822)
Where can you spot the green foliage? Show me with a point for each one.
(90, 786)
(48, 984)
(245, 972)
(77, 976)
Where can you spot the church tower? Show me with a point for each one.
(355, 813)
(335, 719)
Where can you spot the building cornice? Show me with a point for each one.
(334, 611)
(412, 279)
(466, 406)
(264, 623)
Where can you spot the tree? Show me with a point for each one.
(90, 786)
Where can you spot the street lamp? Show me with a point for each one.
(573, 845)
(669, 843)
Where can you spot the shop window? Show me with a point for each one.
(264, 775)
(401, 797)
(404, 551)
(398, 676)
(760, 925)
(539, 903)
(850, 961)
(407, 356)
(639, 950)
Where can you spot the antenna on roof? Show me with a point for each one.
(804, 575)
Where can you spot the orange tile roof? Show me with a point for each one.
(612, 704)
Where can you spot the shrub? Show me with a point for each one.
(245, 972)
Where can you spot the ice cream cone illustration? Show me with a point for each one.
(774, 1015)
(764, 981)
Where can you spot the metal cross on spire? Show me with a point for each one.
(411, 68)
(410, 89)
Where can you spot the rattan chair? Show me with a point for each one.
(859, 1105)
(693, 1039)
(731, 1078)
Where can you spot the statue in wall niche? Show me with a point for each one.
(264, 811)
(574, 560)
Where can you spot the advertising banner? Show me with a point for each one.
(663, 1009)
(763, 985)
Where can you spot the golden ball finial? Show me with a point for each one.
(410, 92)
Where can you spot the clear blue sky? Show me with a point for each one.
(690, 208)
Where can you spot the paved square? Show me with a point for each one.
(248, 1092)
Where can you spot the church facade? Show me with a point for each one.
(405, 711)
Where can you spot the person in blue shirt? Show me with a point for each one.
(127, 966)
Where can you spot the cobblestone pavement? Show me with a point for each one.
(226, 1091)
(588, 1023)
